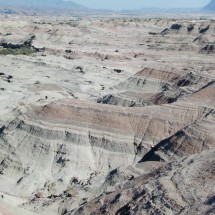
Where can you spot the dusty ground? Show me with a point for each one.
(107, 115)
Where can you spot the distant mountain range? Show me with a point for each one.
(67, 4)
(168, 10)
(43, 3)
(210, 6)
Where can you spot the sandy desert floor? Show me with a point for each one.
(107, 115)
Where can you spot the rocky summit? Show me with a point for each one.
(106, 113)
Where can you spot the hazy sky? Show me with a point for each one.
(133, 4)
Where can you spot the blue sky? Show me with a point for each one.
(134, 4)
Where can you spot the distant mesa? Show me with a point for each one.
(210, 6)
(43, 3)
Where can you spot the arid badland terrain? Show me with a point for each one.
(107, 115)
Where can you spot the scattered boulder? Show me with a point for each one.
(105, 99)
(152, 33)
(68, 51)
(118, 70)
(190, 27)
(204, 29)
(74, 181)
(175, 27)
(39, 195)
(209, 48)
(80, 69)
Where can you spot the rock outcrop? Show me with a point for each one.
(168, 190)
